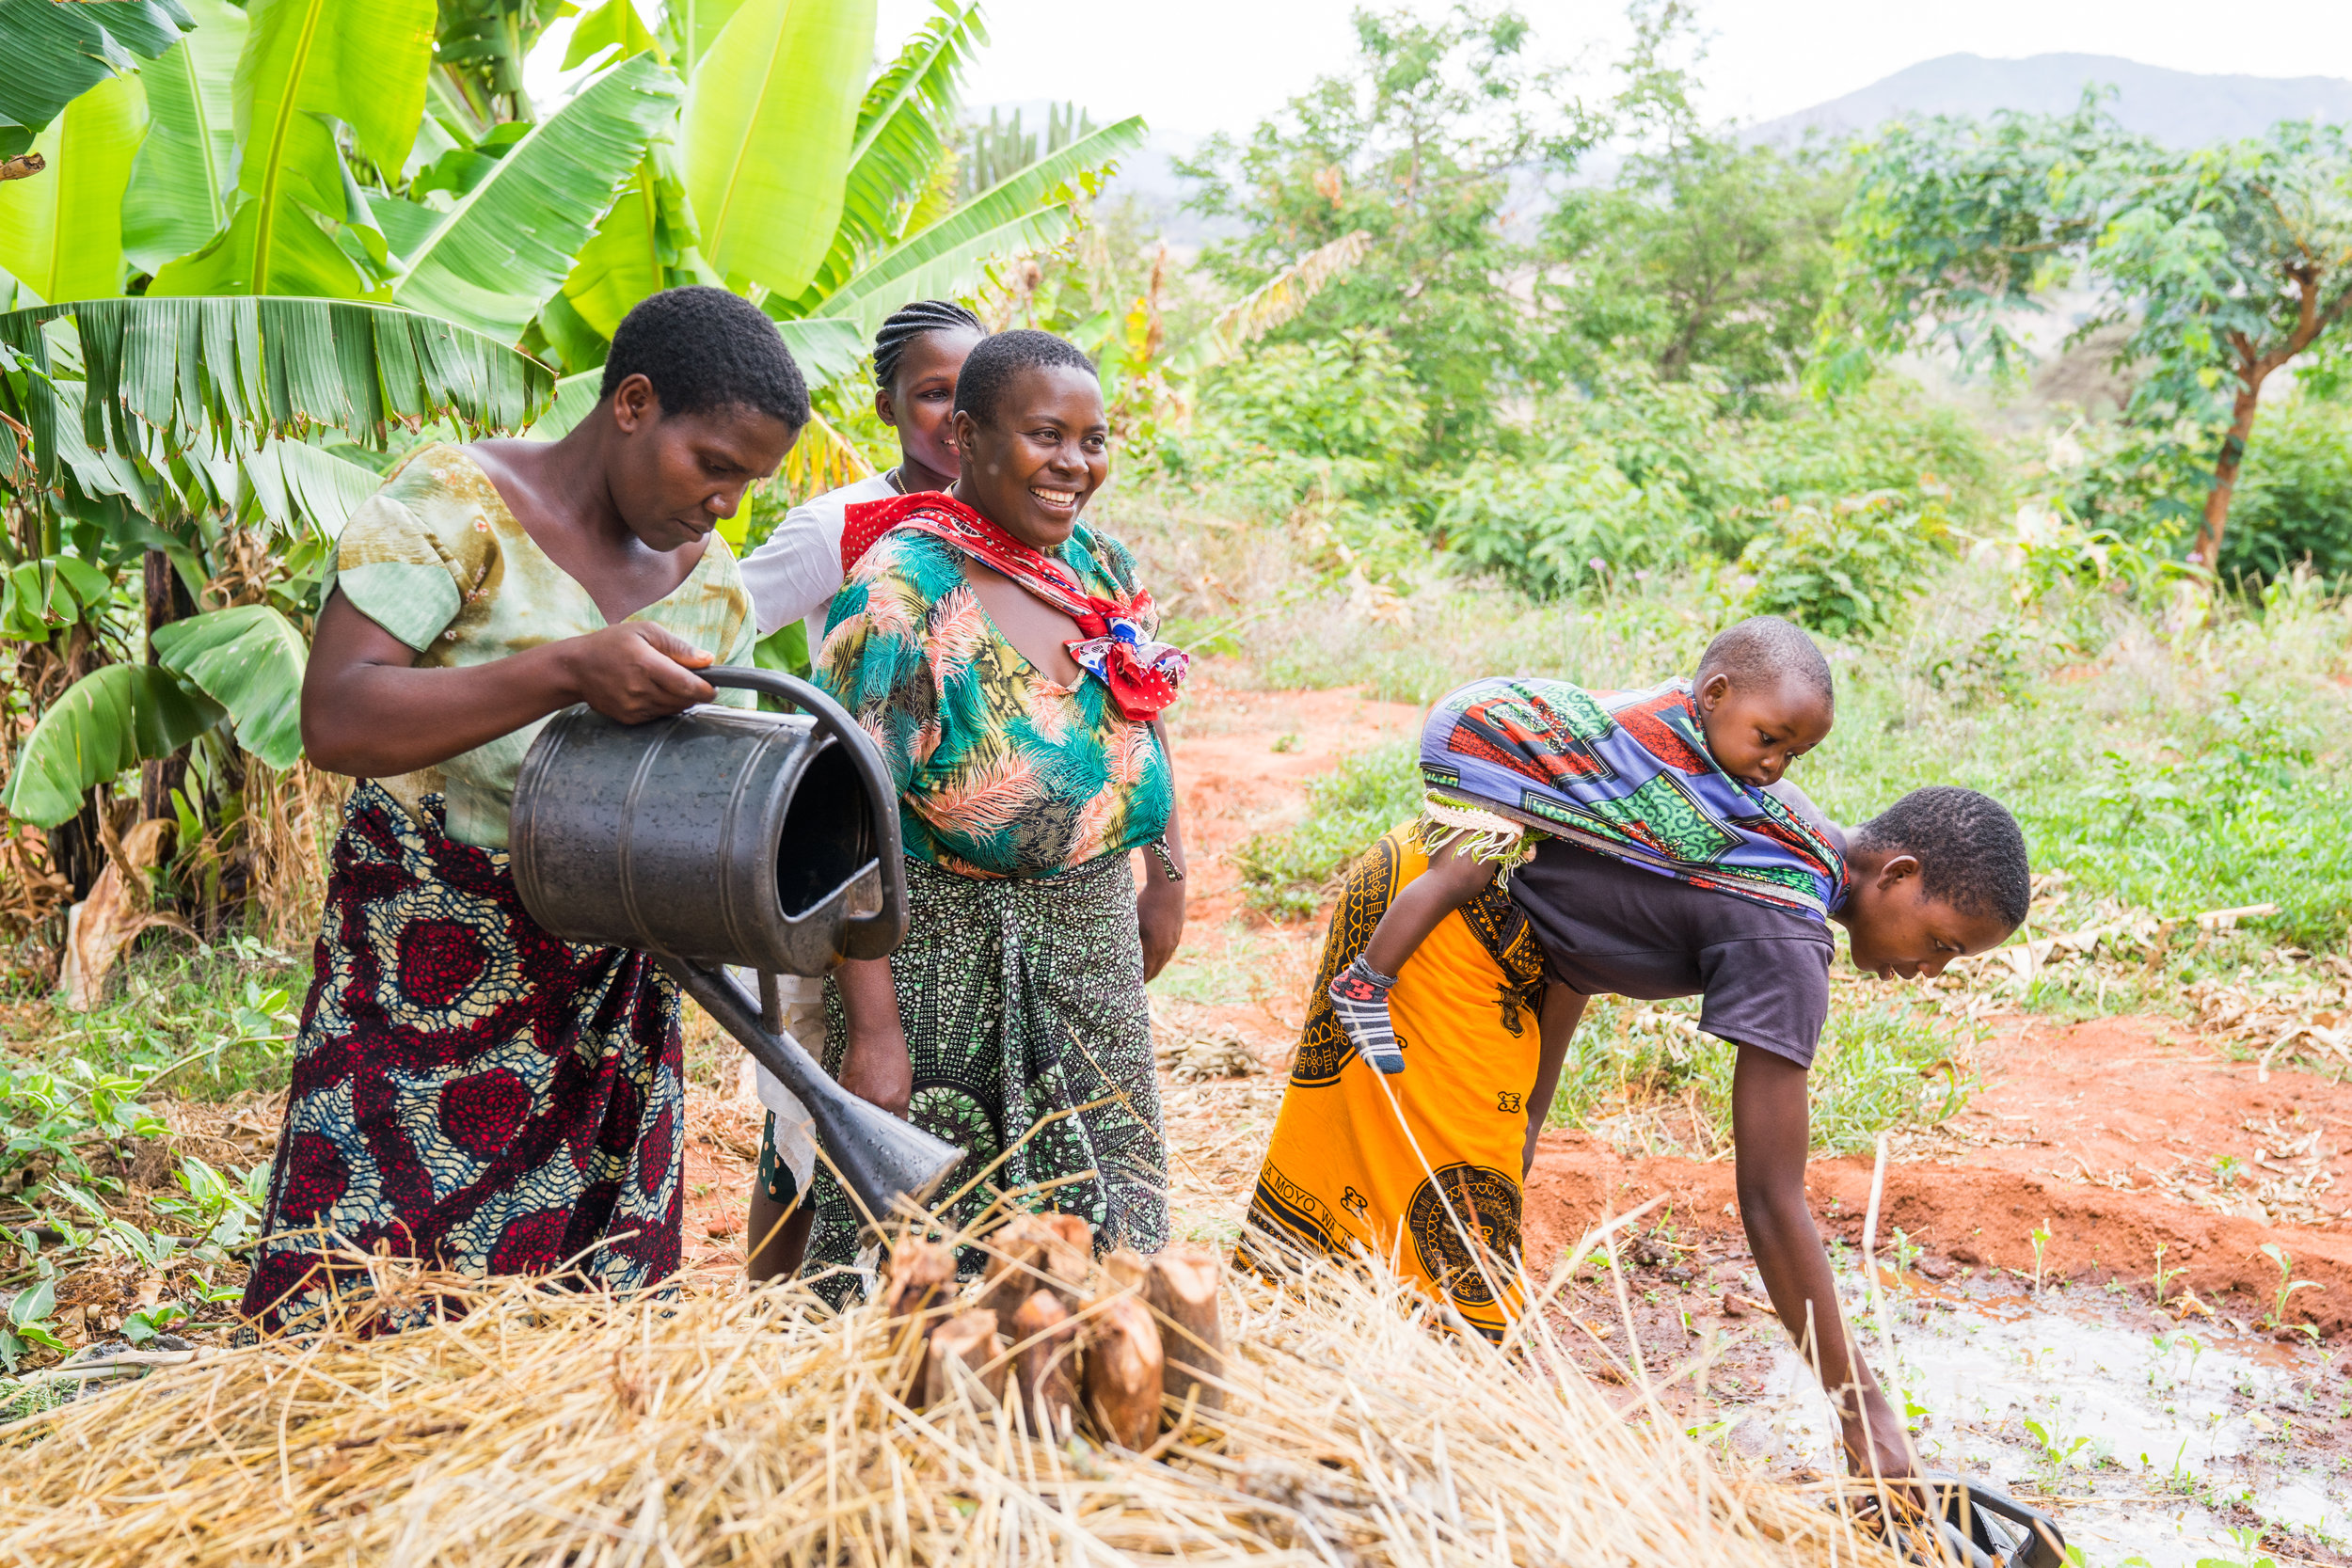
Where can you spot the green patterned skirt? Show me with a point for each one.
(1023, 997)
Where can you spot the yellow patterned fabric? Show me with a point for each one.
(436, 559)
(1341, 1175)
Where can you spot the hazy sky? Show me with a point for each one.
(1212, 65)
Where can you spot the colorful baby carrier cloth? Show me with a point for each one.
(1625, 774)
(1118, 649)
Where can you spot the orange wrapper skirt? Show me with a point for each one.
(1420, 1171)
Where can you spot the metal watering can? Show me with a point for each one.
(719, 836)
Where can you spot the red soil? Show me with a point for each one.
(2070, 1108)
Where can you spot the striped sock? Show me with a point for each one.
(1361, 994)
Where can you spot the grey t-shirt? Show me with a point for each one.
(1610, 927)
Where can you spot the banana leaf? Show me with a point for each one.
(61, 230)
(184, 181)
(299, 485)
(307, 65)
(55, 54)
(110, 719)
(233, 370)
(509, 242)
(250, 660)
(1026, 211)
(768, 119)
(901, 133)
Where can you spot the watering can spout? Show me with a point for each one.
(886, 1163)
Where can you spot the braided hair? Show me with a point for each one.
(909, 322)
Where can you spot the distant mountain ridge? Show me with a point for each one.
(2183, 109)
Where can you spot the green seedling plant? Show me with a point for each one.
(142, 1326)
(2055, 1452)
(2041, 1237)
(2287, 1287)
(28, 1325)
(2226, 1170)
(1905, 1252)
(2248, 1545)
(2163, 1276)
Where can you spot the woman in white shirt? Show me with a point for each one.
(793, 576)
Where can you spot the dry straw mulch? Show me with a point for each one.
(753, 1427)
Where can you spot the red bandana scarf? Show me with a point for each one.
(1116, 649)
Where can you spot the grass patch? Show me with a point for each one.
(1288, 873)
(2168, 772)
(1641, 1074)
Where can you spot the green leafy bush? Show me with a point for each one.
(1845, 570)
(1339, 398)
(1574, 521)
(2293, 498)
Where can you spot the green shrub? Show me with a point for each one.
(2293, 498)
(1288, 873)
(1846, 570)
(1573, 522)
(1341, 396)
(2293, 502)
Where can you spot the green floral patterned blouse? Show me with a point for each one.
(436, 559)
(1001, 772)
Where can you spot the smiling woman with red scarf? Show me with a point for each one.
(1003, 657)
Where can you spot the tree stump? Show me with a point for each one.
(1047, 1336)
(968, 1341)
(1034, 1252)
(1125, 1269)
(1183, 1285)
(919, 1276)
(1124, 1369)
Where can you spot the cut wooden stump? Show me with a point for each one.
(1047, 1336)
(1035, 1252)
(919, 1276)
(1184, 1285)
(1123, 1371)
(969, 1341)
(1125, 1269)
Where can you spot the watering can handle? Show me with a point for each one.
(870, 936)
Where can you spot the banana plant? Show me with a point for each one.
(139, 423)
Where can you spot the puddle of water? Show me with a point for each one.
(2162, 1406)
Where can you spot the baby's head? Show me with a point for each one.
(1764, 698)
(1939, 873)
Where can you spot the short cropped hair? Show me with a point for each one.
(1970, 852)
(706, 348)
(918, 319)
(1765, 647)
(997, 361)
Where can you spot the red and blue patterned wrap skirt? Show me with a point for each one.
(468, 1089)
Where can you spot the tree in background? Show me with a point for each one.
(1428, 144)
(2225, 262)
(1702, 252)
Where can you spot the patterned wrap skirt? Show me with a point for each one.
(467, 1090)
(1420, 1172)
(1021, 997)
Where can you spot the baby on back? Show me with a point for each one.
(1679, 779)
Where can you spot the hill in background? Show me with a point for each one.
(2181, 107)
